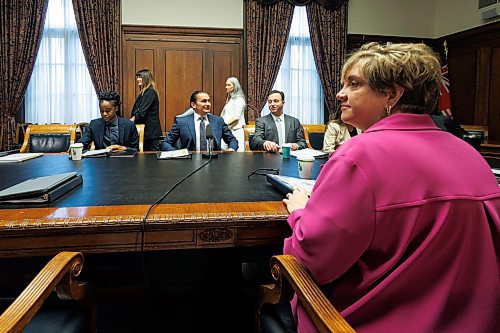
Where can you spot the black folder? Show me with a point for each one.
(42, 189)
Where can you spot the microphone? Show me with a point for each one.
(210, 137)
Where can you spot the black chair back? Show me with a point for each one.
(49, 143)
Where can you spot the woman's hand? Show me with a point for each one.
(297, 199)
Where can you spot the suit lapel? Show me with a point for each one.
(288, 127)
(217, 131)
(273, 127)
(100, 132)
(192, 131)
(121, 131)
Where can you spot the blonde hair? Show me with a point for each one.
(147, 80)
(414, 67)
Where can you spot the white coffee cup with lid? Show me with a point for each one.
(305, 165)
(75, 151)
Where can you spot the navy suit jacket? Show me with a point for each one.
(128, 135)
(265, 130)
(183, 130)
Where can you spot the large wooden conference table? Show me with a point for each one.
(217, 207)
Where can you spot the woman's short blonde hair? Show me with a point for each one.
(415, 67)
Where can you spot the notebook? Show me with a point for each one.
(286, 184)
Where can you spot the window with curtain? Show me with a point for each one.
(298, 77)
(60, 89)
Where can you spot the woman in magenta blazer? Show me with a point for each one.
(403, 222)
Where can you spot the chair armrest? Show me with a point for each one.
(291, 277)
(59, 273)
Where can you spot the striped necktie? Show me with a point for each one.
(203, 135)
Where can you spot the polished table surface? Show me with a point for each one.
(217, 207)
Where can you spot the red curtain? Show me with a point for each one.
(328, 31)
(21, 28)
(98, 25)
(267, 29)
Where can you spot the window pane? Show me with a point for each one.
(60, 89)
(298, 77)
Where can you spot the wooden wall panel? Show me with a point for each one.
(184, 74)
(494, 97)
(222, 65)
(182, 60)
(462, 72)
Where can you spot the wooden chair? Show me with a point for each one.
(60, 273)
(249, 131)
(53, 138)
(20, 132)
(140, 130)
(292, 277)
(314, 135)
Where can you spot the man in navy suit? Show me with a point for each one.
(110, 131)
(191, 129)
(277, 128)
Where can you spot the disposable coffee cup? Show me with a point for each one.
(285, 150)
(305, 165)
(75, 151)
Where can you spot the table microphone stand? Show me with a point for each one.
(210, 138)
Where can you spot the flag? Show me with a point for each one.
(444, 98)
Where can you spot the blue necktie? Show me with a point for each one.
(203, 135)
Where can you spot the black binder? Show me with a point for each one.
(42, 189)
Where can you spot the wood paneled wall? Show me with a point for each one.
(474, 70)
(182, 60)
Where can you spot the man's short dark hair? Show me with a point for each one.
(194, 96)
(278, 92)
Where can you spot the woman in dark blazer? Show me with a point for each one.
(145, 110)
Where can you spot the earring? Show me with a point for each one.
(388, 110)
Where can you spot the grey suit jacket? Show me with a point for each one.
(265, 130)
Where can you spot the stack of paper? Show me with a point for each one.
(19, 157)
(308, 152)
(174, 154)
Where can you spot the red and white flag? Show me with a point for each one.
(445, 99)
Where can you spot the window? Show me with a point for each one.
(60, 89)
(298, 77)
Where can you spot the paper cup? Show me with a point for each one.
(305, 165)
(76, 150)
(285, 150)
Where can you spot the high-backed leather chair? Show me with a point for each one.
(249, 131)
(60, 273)
(52, 138)
(140, 130)
(314, 135)
(291, 277)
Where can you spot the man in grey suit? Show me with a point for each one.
(277, 128)
(190, 129)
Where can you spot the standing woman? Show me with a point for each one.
(145, 110)
(234, 111)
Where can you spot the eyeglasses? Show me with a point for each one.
(264, 171)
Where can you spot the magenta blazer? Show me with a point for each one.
(401, 230)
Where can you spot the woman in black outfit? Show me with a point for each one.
(145, 110)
